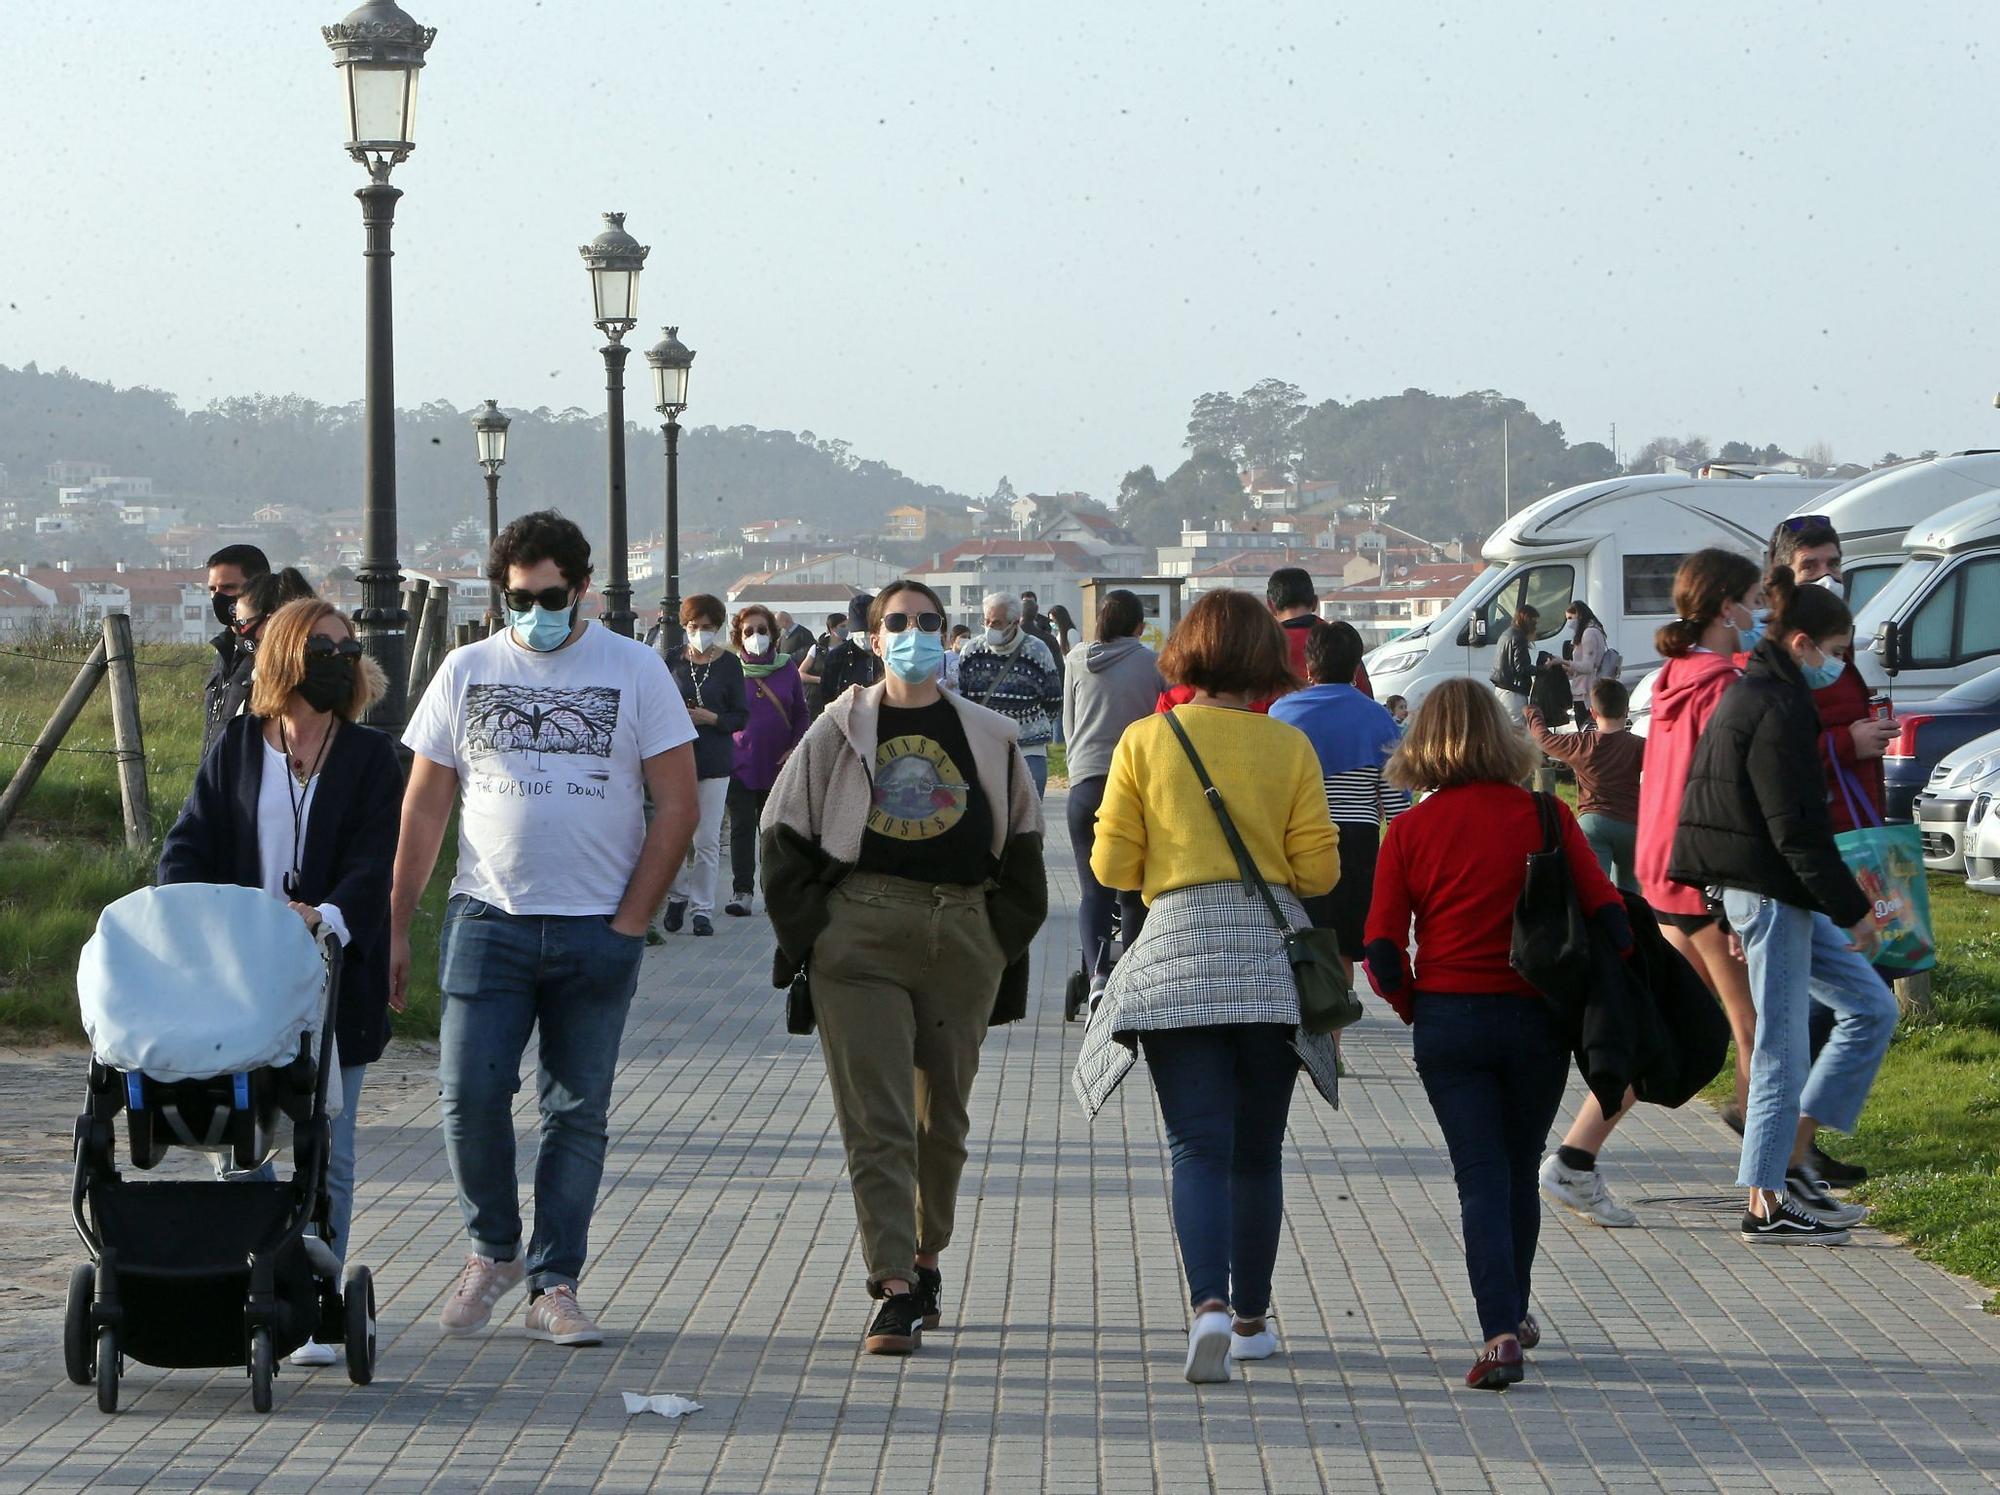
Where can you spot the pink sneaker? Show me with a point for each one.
(480, 1286)
(556, 1317)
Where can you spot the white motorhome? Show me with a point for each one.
(1874, 512)
(1936, 622)
(1616, 544)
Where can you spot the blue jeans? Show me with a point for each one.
(340, 1162)
(1038, 770)
(1095, 902)
(1797, 958)
(1616, 844)
(503, 977)
(1494, 1068)
(1225, 1092)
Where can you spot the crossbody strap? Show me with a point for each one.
(777, 705)
(1246, 866)
(1013, 663)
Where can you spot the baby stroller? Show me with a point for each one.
(210, 1013)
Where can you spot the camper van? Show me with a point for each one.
(1936, 622)
(1616, 544)
(1874, 512)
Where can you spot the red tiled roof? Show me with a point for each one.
(1066, 552)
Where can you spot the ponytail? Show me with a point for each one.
(1708, 581)
(1813, 611)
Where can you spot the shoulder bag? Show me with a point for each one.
(1326, 1002)
(1551, 945)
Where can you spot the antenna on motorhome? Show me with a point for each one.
(1506, 476)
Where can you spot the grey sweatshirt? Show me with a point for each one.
(1106, 687)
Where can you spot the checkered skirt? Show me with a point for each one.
(1208, 955)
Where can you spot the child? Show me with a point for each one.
(1399, 711)
(1606, 763)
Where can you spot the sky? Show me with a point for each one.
(976, 240)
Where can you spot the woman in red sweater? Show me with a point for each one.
(1490, 1052)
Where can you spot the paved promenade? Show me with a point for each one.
(1675, 1357)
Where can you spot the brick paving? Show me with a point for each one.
(1675, 1358)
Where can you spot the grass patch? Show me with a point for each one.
(64, 857)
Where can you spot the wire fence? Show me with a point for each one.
(76, 661)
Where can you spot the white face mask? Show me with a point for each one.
(703, 639)
(997, 636)
(756, 643)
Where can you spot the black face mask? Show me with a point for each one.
(329, 681)
(225, 608)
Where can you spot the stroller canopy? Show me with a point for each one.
(195, 979)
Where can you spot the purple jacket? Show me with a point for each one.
(778, 719)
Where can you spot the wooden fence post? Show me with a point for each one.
(126, 736)
(58, 727)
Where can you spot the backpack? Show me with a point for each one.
(1612, 665)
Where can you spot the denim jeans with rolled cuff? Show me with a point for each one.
(1798, 958)
(505, 976)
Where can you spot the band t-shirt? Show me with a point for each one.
(928, 819)
(547, 748)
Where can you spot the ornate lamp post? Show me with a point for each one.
(615, 259)
(670, 360)
(490, 426)
(379, 51)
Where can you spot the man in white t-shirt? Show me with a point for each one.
(555, 730)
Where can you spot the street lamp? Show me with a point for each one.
(615, 259)
(490, 426)
(379, 51)
(670, 359)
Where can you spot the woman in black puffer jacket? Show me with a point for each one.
(1754, 823)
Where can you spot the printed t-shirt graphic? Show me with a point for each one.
(548, 748)
(928, 818)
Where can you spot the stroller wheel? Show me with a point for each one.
(1076, 993)
(77, 1361)
(107, 1370)
(360, 1326)
(261, 1367)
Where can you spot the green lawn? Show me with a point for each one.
(64, 857)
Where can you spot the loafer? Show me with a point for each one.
(1531, 1333)
(676, 911)
(701, 926)
(1498, 1368)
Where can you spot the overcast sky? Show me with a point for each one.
(1020, 238)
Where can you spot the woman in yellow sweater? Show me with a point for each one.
(1207, 989)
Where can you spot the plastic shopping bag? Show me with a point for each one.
(1888, 862)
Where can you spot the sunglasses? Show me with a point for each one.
(550, 599)
(245, 628)
(926, 622)
(1798, 524)
(319, 643)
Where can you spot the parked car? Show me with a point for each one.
(1982, 851)
(1944, 807)
(1932, 728)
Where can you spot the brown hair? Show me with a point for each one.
(1526, 618)
(704, 606)
(1813, 611)
(1227, 643)
(281, 661)
(1707, 582)
(751, 610)
(879, 608)
(1460, 736)
(1610, 699)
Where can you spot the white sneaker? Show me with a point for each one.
(1583, 1194)
(312, 1353)
(1208, 1347)
(1259, 1346)
(480, 1286)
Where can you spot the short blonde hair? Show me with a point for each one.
(1460, 736)
(281, 661)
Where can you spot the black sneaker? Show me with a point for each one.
(898, 1328)
(1840, 1175)
(700, 925)
(1791, 1226)
(930, 1295)
(1809, 1192)
(676, 911)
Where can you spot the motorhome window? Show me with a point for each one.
(1931, 625)
(1895, 595)
(1864, 582)
(1979, 610)
(1547, 589)
(1649, 585)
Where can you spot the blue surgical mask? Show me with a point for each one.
(914, 655)
(1829, 669)
(540, 629)
(1748, 638)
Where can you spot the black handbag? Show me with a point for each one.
(1326, 1002)
(799, 1019)
(1551, 944)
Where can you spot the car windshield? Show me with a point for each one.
(1463, 603)
(1892, 599)
(1981, 690)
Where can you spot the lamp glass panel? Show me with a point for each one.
(377, 99)
(617, 294)
(493, 446)
(673, 386)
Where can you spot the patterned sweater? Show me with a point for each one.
(1022, 684)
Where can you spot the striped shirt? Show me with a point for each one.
(1353, 737)
(1361, 796)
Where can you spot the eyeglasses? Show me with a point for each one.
(550, 599)
(926, 622)
(319, 643)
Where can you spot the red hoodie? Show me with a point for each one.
(1684, 698)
